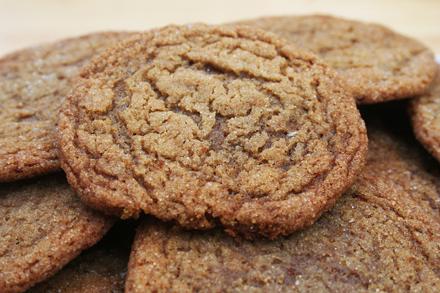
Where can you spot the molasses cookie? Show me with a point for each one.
(209, 125)
(43, 225)
(425, 115)
(33, 83)
(377, 63)
(383, 235)
(101, 269)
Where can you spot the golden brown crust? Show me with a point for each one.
(425, 115)
(383, 235)
(33, 83)
(377, 64)
(211, 125)
(43, 225)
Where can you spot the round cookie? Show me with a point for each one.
(100, 269)
(425, 116)
(43, 225)
(377, 63)
(211, 125)
(383, 235)
(33, 83)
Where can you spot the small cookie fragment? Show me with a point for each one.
(208, 125)
(425, 116)
(101, 269)
(377, 63)
(97, 270)
(33, 84)
(383, 235)
(43, 225)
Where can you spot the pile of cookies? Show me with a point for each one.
(222, 158)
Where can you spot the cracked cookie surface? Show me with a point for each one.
(33, 84)
(383, 235)
(43, 225)
(211, 125)
(425, 115)
(376, 63)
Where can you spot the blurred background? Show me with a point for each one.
(29, 22)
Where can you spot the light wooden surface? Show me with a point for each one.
(29, 22)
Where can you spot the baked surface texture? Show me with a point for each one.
(208, 125)
(101, 269)
(383, 235)
(33, 84)
(43, 225)
(377, 63)
(425, 116)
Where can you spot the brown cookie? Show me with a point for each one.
(100, 269)
(43, 225)
(383, 235)
(377, 63)
(33, 83)
(425, 115)
(207, 125)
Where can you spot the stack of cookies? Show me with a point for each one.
(240, 157)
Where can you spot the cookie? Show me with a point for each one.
(102, 268)
(33, 83)
(211, 125)
(98, 270)
(383, 235)
(377, 63)
(43, 225)
(425, 116)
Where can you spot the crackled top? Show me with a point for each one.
(33, 84)
(207, 125)
(381, 236)
(376, 63)
(425, 114)
(43, 225)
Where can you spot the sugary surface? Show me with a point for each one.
(383, 235)
(33, 84)
(212, 125)
(43, 225)
(101, 269)
(425, 114)
(376, 63)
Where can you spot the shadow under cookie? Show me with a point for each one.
(43, 225)
(101, 268)
(382, 235)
